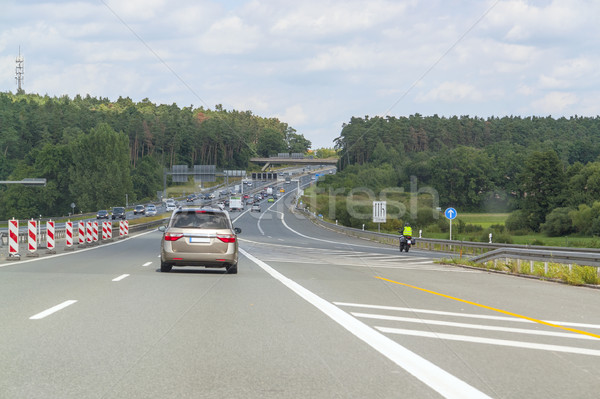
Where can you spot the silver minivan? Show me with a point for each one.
(199, 237)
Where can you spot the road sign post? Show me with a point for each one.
(379, 213)
(450, 214)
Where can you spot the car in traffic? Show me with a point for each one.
(271, 199)
(151, 210)
(118, 212)
(141, 209)
(191, 198)
(170, 205)
(255, 208)
(102, 214)
(199, 237)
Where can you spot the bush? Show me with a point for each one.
(516, 221)
(558, 223)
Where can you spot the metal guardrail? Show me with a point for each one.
(536, 255)
(480, 252)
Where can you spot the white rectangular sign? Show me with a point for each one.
(379, 213)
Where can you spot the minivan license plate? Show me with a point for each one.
(199, 240)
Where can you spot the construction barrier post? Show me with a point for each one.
(13, 240)
(32, 238)
(81, 233)
(69, 235)
(88, 232)
(95, 231)
(50, 244)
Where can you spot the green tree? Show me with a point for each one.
(542, 185)
(100, 175)
(147, 178)
(270, 142)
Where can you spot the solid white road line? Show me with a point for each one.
(146, 264)
(490, 341)
(121, 277)
(53, 309)
(473, 326)
(468, 315)
(432, 375)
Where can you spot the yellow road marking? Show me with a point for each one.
(494, 309)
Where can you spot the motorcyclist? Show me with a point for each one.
(407, 230)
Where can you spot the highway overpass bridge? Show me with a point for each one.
(294, 161)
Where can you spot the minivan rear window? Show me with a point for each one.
(200, 220)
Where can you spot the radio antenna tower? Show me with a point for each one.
(20, 72)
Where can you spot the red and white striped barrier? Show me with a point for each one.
(123, 228)
(81, 233)
(88, 232)
(109, 230)
(104, 230)
(13, 237)
(50, 236)
(95, 231)
(32, 236)
(69, 234)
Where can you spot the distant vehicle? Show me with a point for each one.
(288, 180)
(282, 190)
(171, 205)
(271, 199)
(151, 210)
(235, 204)
(199, 237)
(269, 190)
(103, 214)
(118, 213)
(141, 209)
(191, 198)
(255, 208)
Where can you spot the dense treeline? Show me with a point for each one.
(546, 170)
(94, 151)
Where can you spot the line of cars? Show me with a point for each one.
(119, 212)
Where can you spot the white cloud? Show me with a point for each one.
(294, 115)
(452, 92)
(229, 36)
(555, 103)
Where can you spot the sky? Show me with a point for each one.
(313, 64)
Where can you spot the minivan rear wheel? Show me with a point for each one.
(231, 269)
(165, 267)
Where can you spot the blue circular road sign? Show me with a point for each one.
(450, 213)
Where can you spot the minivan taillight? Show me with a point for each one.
(173, 237)
(228, 238)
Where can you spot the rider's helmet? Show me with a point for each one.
(406, 224)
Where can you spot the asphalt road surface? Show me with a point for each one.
(311, 314)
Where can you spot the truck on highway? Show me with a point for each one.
(236, 204)
(288, 180)
(269, 190)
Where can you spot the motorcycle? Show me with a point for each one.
(406, 242)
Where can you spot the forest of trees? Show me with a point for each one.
(93, 151)
(545, 170)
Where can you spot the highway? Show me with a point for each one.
(311, 314)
